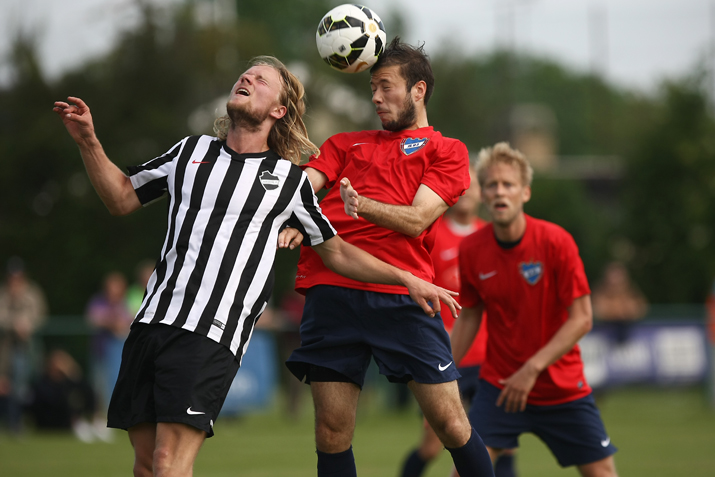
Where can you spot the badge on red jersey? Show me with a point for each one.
(531, 271)
(410, 145)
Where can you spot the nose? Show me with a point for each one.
(376, 97)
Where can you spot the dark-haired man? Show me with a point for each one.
(393, 185)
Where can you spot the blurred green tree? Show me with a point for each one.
(669, 198)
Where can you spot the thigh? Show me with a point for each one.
(331, 335)
(497, 428)
(574, 432)
(602, 468)
(171, 375)
(406, 343)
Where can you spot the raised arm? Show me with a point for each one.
(518, 385)
(112, 185)
(410, 220)
(352, 262)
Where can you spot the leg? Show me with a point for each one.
(335, 410)
(429, 448)
(177, 446)
(143, 439)
(601, 468)
(443, 409)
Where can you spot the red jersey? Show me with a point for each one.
(526, 291)
(447, 235)
(387, 167)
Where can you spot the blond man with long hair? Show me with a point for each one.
(229, 196)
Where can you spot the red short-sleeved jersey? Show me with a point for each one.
(526, 291)
(387, 167)
(446, 237)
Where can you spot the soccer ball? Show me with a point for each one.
(350, 38)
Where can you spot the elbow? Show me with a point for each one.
(586, 324)
(117, 210)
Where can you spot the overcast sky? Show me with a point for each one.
(634, 43)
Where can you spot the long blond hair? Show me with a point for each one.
(288, 136)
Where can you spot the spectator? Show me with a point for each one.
(61, 399)
(22, 311)
(135, 293)
(109, 316)
(618, 302)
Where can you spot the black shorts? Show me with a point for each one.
(573, 431)
(343, 327)
(171, 375)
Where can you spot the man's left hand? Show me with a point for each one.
(517, 388)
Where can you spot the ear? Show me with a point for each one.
(526, 194)
(418, 91)
(278, 112)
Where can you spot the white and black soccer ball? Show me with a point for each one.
(350, 38)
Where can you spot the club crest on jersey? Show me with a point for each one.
(269, 181)
(410, 145)
(531, 271)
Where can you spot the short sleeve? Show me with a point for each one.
(468, 294)
(448, 174)
(330, 161)
(150, 179)
(571, 281)
(313, 224)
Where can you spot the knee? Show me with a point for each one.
(333, 435)
(162, 460)
(453, 431)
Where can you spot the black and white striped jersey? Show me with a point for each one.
(215, 273)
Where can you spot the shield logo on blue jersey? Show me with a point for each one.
(269, 181)
(410, 145)
(531, 271)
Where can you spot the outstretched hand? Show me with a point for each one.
(76, 117)
(289, 238)
(350, 197)
(423, 293)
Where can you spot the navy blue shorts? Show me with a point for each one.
(169, 374)
(573, 431)
(469, 382)
(342, 328)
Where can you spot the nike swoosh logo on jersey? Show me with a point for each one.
(193, 413)
(605, 443)
(442, 368)
(484, 276)
(200, 162)
(360, 143)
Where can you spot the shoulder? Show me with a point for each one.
(345, 137)
(475, 242)
(552, 235)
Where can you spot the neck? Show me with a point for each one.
(246, 141)
(421, 121)
(512, 231)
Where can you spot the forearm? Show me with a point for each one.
(576, 326)
(112, 185)
(352, 262)
(405, 219)
(464, 331)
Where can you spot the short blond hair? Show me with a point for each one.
(289, 136)
(503, 153)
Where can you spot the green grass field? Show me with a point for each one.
(659, 432)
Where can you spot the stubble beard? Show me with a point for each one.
(406, 118)
(245, 118)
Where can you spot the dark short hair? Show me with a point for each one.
(413, 62)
